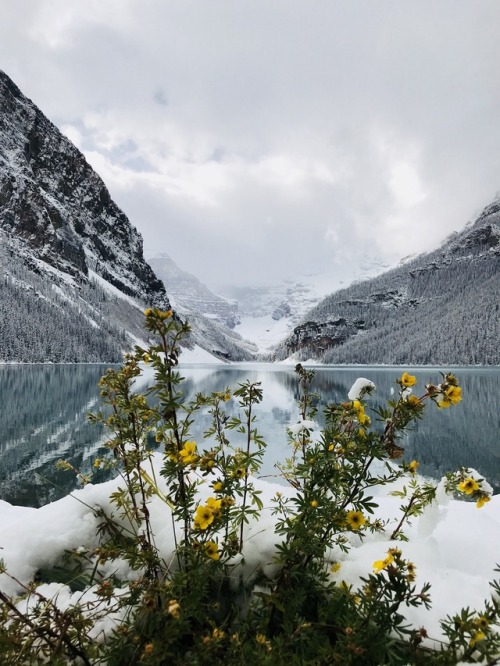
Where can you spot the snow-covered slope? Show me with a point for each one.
(188, 294)
(73, 278)
(438, 308)
(268, 313)
(72, 273)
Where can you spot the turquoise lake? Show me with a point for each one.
(44, 408)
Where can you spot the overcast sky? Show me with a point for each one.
(256, 140)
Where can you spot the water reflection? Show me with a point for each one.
(44, 409)
(43, 418)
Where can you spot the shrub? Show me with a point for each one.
(203, 603)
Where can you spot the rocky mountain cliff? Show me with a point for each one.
(439, 308)
(73, 277)
(72, 272)
(212, 318)
(188, 294)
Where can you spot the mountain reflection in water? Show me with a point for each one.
(44, 407)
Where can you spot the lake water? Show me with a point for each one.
(43, 419)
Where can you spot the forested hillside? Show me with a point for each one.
(73, 278)
(43, 322)
(440, 308)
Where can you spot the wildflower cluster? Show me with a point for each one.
(199, 604)
(447, 393)
(468, 484)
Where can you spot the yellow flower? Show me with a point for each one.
(188, 453)
(476, 637)
(408, 380)
(239, 473)
(355, 519)
(146, 358)
(411, 569)
(203, 517)
(450, 396)
(218, 634)
(211, 550)
(217, 486)
(453, 394)
(335, 567)
(413, 401)
(360, 413)
(314, 504)
(413, 466)
(214, 505)
(482, 501)
(364, 419)
(148, 312)
(468, 486)
(226, 501)
(165, 314)
(442, 401)
(207, 463)
(97, 463)
(482, 622)
(173, 608)
(379, 565)
(394, 552)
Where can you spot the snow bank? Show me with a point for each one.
(453, 545)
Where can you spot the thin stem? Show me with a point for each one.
(249, 439)
(404, 517)
(178, 439)
(51, 637)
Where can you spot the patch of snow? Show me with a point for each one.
(264, 331)
(454, 546)
(111, 289)
(198, 355)
(360, 387)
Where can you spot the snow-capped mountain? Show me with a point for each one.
(189, 295)
(438, 308)
(268, 313)
(212, 318)
(73, 278)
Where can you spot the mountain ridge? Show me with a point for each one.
(440, 307)
(71, 263)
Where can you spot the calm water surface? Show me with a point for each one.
(43, 418)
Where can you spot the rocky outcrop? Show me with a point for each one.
(55, 203)
(318, 337)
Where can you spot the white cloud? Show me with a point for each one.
(266, 139)
(405, 184)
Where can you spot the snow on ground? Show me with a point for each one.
(111, 289)
(198, 355)
(264, 331)
(453, 544)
